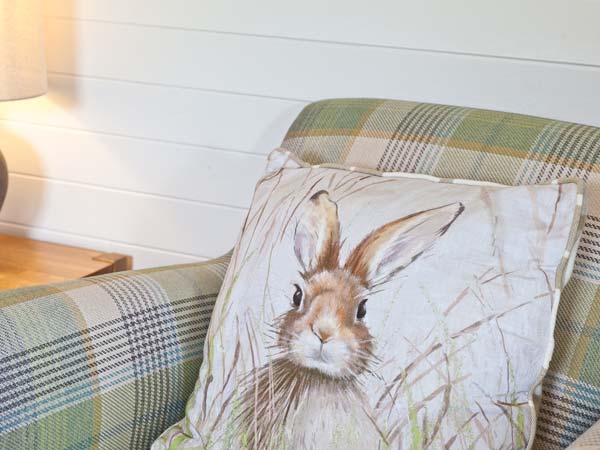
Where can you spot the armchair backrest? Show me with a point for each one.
(457, 142)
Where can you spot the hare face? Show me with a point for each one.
(325, 328)
(325, 331)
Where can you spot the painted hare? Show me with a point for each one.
(309, 397)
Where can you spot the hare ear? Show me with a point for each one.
(392, 247)
(317, 236)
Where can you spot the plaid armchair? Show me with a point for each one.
(108, 362)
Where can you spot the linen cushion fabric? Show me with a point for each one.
(383, 310)
(457, 142)
(105, 362)
(590, 440)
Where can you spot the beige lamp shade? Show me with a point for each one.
(22, 56)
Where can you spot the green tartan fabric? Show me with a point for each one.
(105, 362)
(590, 440)
(456, 142)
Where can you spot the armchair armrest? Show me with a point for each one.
(590, 440)
(103, 362)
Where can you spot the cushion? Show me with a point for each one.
(458, 142)
(382, 310)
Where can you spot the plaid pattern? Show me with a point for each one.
(455, 142)
(589, 441)
(106, 362)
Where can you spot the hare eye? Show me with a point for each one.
(361, 312)
(297, 299)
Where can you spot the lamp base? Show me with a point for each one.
(3, 179)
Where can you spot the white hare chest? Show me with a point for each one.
(326, 420)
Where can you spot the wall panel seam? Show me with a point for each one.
(99, 187)
(178, 86)
(126, 136)
(330, 42)
(99, 239)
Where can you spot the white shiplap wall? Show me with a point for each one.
(160, 113)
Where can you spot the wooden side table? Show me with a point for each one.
(27, 262)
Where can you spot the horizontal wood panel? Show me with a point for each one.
(181, 171)
(238, 122)
(308, 70)
(536, 29)
(143, 220)
(160, 113)
(142, 257)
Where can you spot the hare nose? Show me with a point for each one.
(323, 335)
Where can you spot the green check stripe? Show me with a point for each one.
(106, 362)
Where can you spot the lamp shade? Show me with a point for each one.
(22, 55)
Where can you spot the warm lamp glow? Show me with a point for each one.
(22, 56)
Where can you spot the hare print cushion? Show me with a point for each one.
(383, 311)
